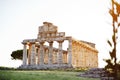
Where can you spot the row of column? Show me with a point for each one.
(83, 56)
(32, 53)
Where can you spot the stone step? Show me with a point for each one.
(97, 73)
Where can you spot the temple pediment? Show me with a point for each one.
(48, 30)
(47, 27)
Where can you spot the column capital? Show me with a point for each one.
(32, 42)
(24, 43)
(41, 42)
(50, 42)
(60, 41)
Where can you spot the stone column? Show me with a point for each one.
(70, 51)
(46, 56)
(33, 54)
(29, 54)
(50, 52)
(38, 55)
(60, 52)
(55, 56)
(24, 54)
(41, 53)
(64, 57)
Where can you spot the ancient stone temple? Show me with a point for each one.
(37, 55)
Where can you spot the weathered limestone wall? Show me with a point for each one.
(83, 55)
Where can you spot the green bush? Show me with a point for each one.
(6, 68)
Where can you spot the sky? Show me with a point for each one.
(86, 20)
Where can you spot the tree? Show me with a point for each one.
(17, 54)
(115, 14)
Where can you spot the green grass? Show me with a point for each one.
(40, 75)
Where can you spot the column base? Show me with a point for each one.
(45, 66)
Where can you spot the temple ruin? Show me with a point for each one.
(37, 55)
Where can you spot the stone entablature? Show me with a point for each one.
(89, 43)
(40, 56)
(83, 44)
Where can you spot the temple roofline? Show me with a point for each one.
(85, 45)
(89, 43)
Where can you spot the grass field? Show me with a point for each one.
(40, 75)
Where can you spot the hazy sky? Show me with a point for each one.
(82, 19)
